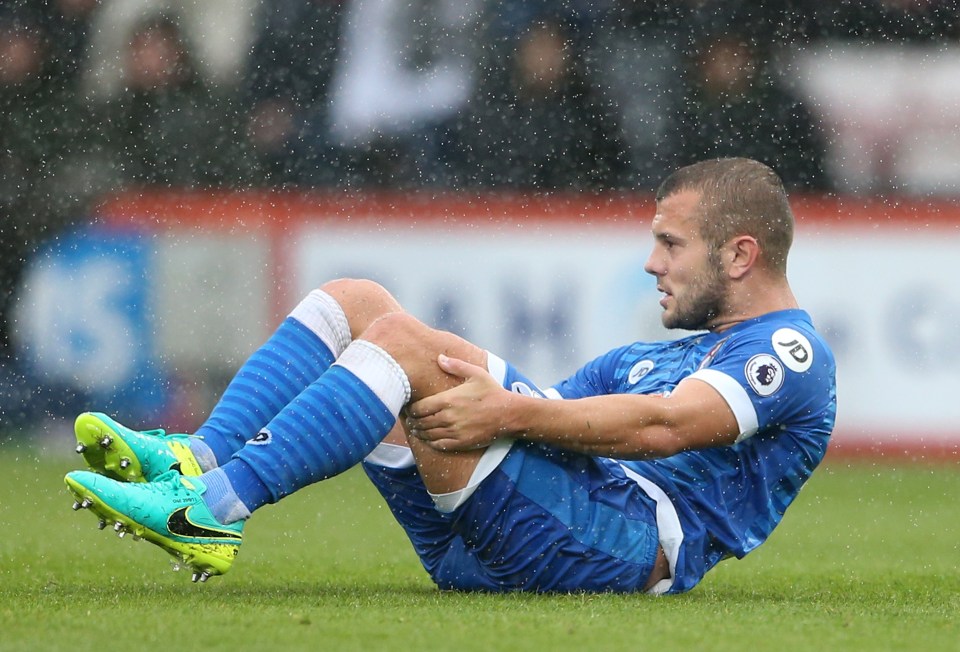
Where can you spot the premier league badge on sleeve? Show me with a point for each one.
(764, 374)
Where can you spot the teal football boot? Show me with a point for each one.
(169, 512)
(118, 452)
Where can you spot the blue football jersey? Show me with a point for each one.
(778, 377)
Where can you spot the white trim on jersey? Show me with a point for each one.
(497, 367)
(736, 397)
(668, 528)
(391, 456)
(490, 459)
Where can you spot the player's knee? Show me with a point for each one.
(398, 331)
(362, 301)
(356, 288)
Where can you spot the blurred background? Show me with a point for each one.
(176, 174)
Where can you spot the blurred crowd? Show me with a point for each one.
(543, 95)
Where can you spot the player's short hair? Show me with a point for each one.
(739, 196)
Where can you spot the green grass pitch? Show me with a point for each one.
(867, 559)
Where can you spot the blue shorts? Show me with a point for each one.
(543, 520)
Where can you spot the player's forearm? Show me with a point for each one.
(621, 426)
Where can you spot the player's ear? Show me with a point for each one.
(742, 252)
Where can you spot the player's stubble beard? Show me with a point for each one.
(702, 301)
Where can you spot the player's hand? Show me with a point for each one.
(466, 417)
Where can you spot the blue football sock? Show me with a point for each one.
(297, 353)
(204, 454)
(221, 497)
(330, 427)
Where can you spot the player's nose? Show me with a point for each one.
(653, 265)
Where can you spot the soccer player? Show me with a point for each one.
(640, 472)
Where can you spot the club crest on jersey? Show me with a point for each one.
(794, 349)
(764, 374)
(639, 370)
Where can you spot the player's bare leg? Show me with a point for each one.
(376, 316)
(416, 347)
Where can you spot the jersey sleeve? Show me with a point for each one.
(595, 378)
(772, 378)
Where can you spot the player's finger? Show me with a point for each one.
(431, 435)
(428, 422)
(426, 407)
(446, 445)
(459, 368)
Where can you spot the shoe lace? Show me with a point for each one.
(167, 482)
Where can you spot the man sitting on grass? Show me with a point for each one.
(640, 472)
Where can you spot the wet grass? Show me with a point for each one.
(868, 559)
